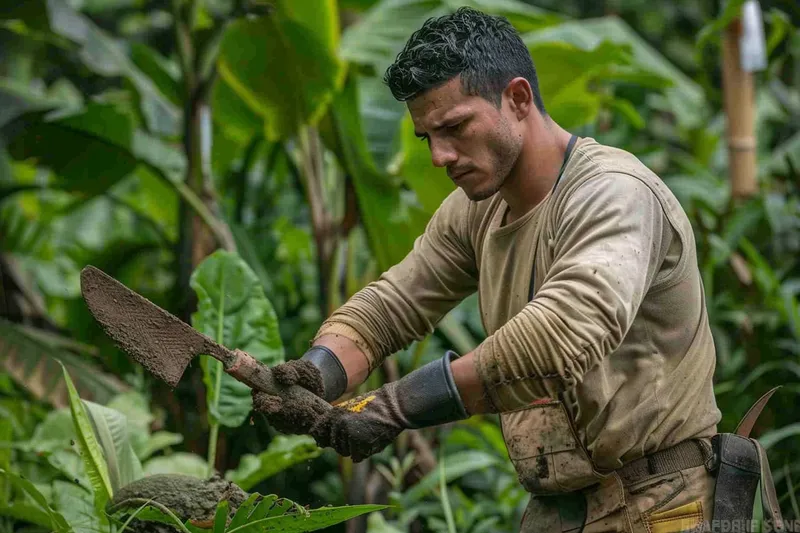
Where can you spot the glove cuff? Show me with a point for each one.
(334, 378)
(428, 396)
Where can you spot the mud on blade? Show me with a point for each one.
(157, 340)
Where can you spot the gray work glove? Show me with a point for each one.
(365, 425)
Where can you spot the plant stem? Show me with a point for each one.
(448, 511)
(214, 423)
(212, 442)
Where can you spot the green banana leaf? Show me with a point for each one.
(284, 65)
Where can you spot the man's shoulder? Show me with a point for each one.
(597, 162)
(603, 158)
(601, 167)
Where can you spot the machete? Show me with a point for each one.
(161, 342)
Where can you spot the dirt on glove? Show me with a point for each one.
(188, 497)
(299, 372)
(362, 426)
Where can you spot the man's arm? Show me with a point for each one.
(611, 240)
(470, 385)
(407, 301)
(353, 359)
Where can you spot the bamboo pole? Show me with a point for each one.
(739, 99)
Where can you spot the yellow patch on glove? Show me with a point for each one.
(356, 405)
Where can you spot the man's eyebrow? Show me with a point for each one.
(454, 117)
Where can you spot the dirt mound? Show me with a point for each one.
(188, 497)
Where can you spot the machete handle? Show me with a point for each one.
(252, 372)
(257, 375)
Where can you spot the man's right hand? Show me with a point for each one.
(291, 411)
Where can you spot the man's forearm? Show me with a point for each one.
(355, 363)
(356, 366)
(470, 386)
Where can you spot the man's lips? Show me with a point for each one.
(460, 174)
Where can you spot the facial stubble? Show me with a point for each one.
(504, 147)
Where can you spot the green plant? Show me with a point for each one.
(134, 137)
(110, 447)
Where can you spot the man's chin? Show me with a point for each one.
(477, 195)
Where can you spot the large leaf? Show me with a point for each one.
(284, 65)
(458, 464)
(164, 73)
(25, 512)
(384, 209)
(91, 452)
(380, 34)
(233, 310)
(54, 440)
(382, 116)
(238, 120)
(685, 97)
(568, 75)
(283, 452)
(522, 15)
(32, 360)
(784, 157)
(57, 521)
(94, 147)
(17, 99)
(75, 504)
(111, 428)
(177, 463)
(315, 519)
(431, 184)
(103, 56)
(157, 442)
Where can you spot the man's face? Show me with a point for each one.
(469, 136)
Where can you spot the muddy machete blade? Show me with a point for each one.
(156, 339)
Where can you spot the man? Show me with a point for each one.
(599, 357)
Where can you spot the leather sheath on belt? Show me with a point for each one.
(741, 466)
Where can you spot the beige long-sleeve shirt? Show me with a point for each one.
(617, 327)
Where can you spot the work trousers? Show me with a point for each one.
(679, 501)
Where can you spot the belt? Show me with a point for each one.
(686, 454)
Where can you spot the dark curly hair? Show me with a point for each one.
(486, 50)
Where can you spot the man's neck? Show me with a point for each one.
(536, 171)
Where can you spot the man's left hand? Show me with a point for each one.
(362, 426)
(368, 423)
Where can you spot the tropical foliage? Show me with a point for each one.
(241, 164)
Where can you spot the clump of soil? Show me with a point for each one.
(294, 410)
(188, 497)
(300, 372)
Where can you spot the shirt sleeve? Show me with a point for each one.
(407, 301)
(610, 240)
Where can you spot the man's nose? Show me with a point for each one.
(442, 154)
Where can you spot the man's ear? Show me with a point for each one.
(519, 96)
